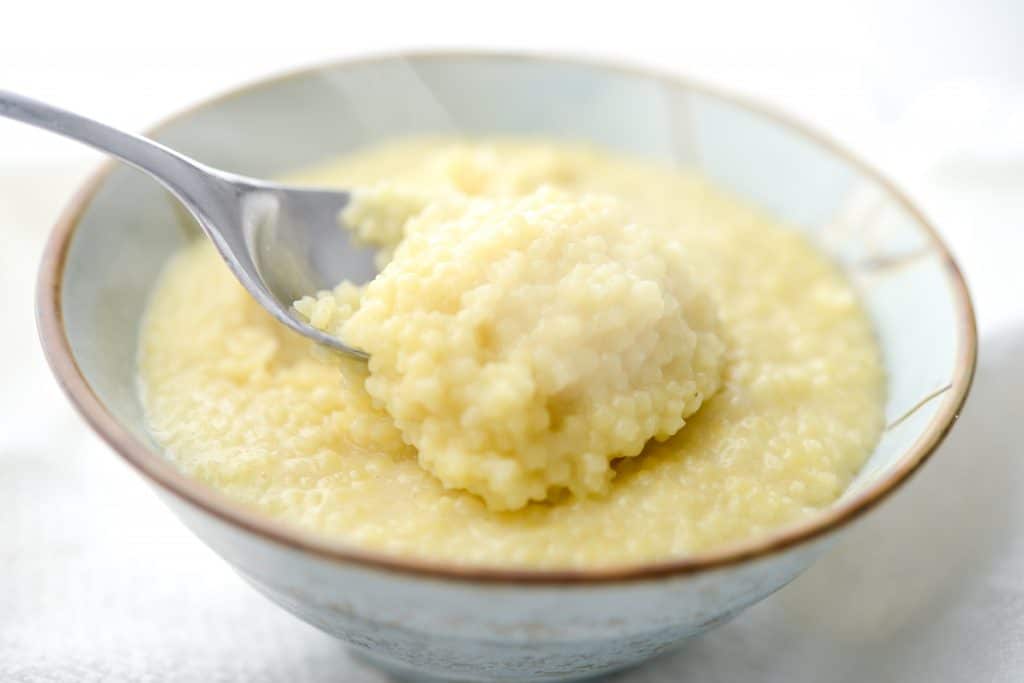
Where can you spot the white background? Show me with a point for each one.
(97, 582)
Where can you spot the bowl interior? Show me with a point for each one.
(127, 230)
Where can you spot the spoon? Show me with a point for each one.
(281, 242)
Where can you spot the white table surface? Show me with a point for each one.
(98, 582)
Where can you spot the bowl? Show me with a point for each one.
(427, 619)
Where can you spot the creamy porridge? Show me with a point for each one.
(577, 359)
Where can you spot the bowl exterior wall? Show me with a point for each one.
(466, 630)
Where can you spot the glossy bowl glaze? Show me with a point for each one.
(457, 623)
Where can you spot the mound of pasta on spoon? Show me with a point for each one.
(522, 344)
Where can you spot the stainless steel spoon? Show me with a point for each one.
(281, 242)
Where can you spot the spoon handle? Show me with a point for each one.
(187, 179)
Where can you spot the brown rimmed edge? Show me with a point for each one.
(57, 349)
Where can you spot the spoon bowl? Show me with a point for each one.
(281, 242)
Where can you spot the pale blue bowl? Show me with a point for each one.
(499, 625)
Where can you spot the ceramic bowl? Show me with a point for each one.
(492, 624)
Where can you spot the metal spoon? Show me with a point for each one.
(281, 242)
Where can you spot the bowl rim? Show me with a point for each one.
(57, 349)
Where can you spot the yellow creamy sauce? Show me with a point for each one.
(255, 411)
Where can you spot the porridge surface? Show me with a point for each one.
(788, 412)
